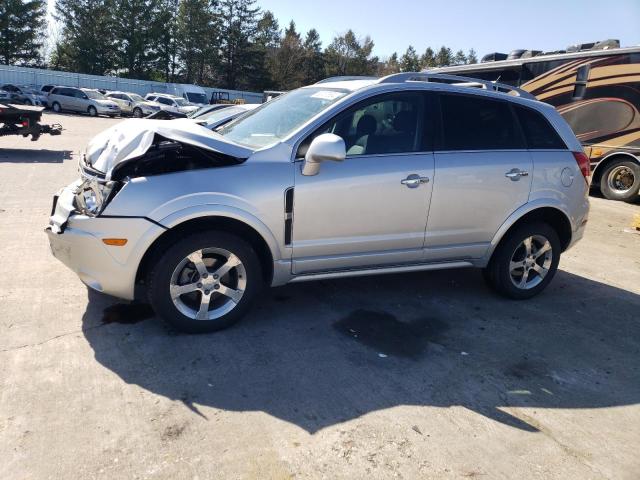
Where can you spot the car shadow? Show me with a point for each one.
(19, 155)
(317, 354)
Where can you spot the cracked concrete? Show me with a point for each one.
(545, 389)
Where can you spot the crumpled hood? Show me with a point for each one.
(132, 138)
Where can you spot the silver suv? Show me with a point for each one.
(342, 178)
(133, 104)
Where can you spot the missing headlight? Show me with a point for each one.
(92, 196)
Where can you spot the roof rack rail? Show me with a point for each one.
(346, 78)
(456, 80)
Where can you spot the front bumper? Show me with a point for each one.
(76, 240)
(107, 110)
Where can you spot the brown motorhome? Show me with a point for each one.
(596, 88)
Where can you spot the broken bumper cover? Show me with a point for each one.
(76, 240)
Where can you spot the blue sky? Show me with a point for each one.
(487, 26)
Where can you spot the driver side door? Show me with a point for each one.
(366, 211)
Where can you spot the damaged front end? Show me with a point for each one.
(139, 149)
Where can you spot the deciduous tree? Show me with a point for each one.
(347, 55)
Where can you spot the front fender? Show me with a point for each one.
(218, 210)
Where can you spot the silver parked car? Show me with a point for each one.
(133, 104)
(22, 94)
(83, 100)
(346, 177)
(171, 103)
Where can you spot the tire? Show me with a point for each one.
(512, 282)
(175, 269)
(137, 112)
(621, 181)
(92, 111)
(55, 106)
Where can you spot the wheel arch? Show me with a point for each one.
(211, 222)
(609, 160)
(553, 216)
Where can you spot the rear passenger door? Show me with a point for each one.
(483, 174)
(66, 98)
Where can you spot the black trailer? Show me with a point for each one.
(24, 120)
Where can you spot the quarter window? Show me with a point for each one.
(537, 130)
(474, 123)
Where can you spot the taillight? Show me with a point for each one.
(583, 164)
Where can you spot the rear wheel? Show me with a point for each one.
(92, 111)
(55, 106)
(621, 181)
(525, 262)
(205, 282)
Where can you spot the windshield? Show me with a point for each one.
(275, 120)
(135, 97)
(181, 102)
(197, 97)
(93, 94)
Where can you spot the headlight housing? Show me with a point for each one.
(92, 196)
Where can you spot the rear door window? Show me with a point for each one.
(538, 131)
(475, 123)
(164, 101)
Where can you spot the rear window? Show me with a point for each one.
(537, 130)
(474, 123)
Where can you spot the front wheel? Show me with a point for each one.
(205, 282)
(56, 107)
(621, 181)
(93, 112)
(525, 262)
(137, 112)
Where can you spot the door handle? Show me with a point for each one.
(414, 180)
(515, 173)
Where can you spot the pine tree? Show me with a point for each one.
(139, 25)
(428, 59)
(313, 65)
(472, 57)
(265, 47)
(444, 57)
(197, 39)
(239, 21)
(410, 61)
(166, 64)
(460, 58)
(286, 69)
(392, 65)
(21, 25)
(88, 42)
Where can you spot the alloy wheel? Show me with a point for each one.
(530, 262)
(208, 283)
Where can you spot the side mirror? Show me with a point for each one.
(324, 147)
